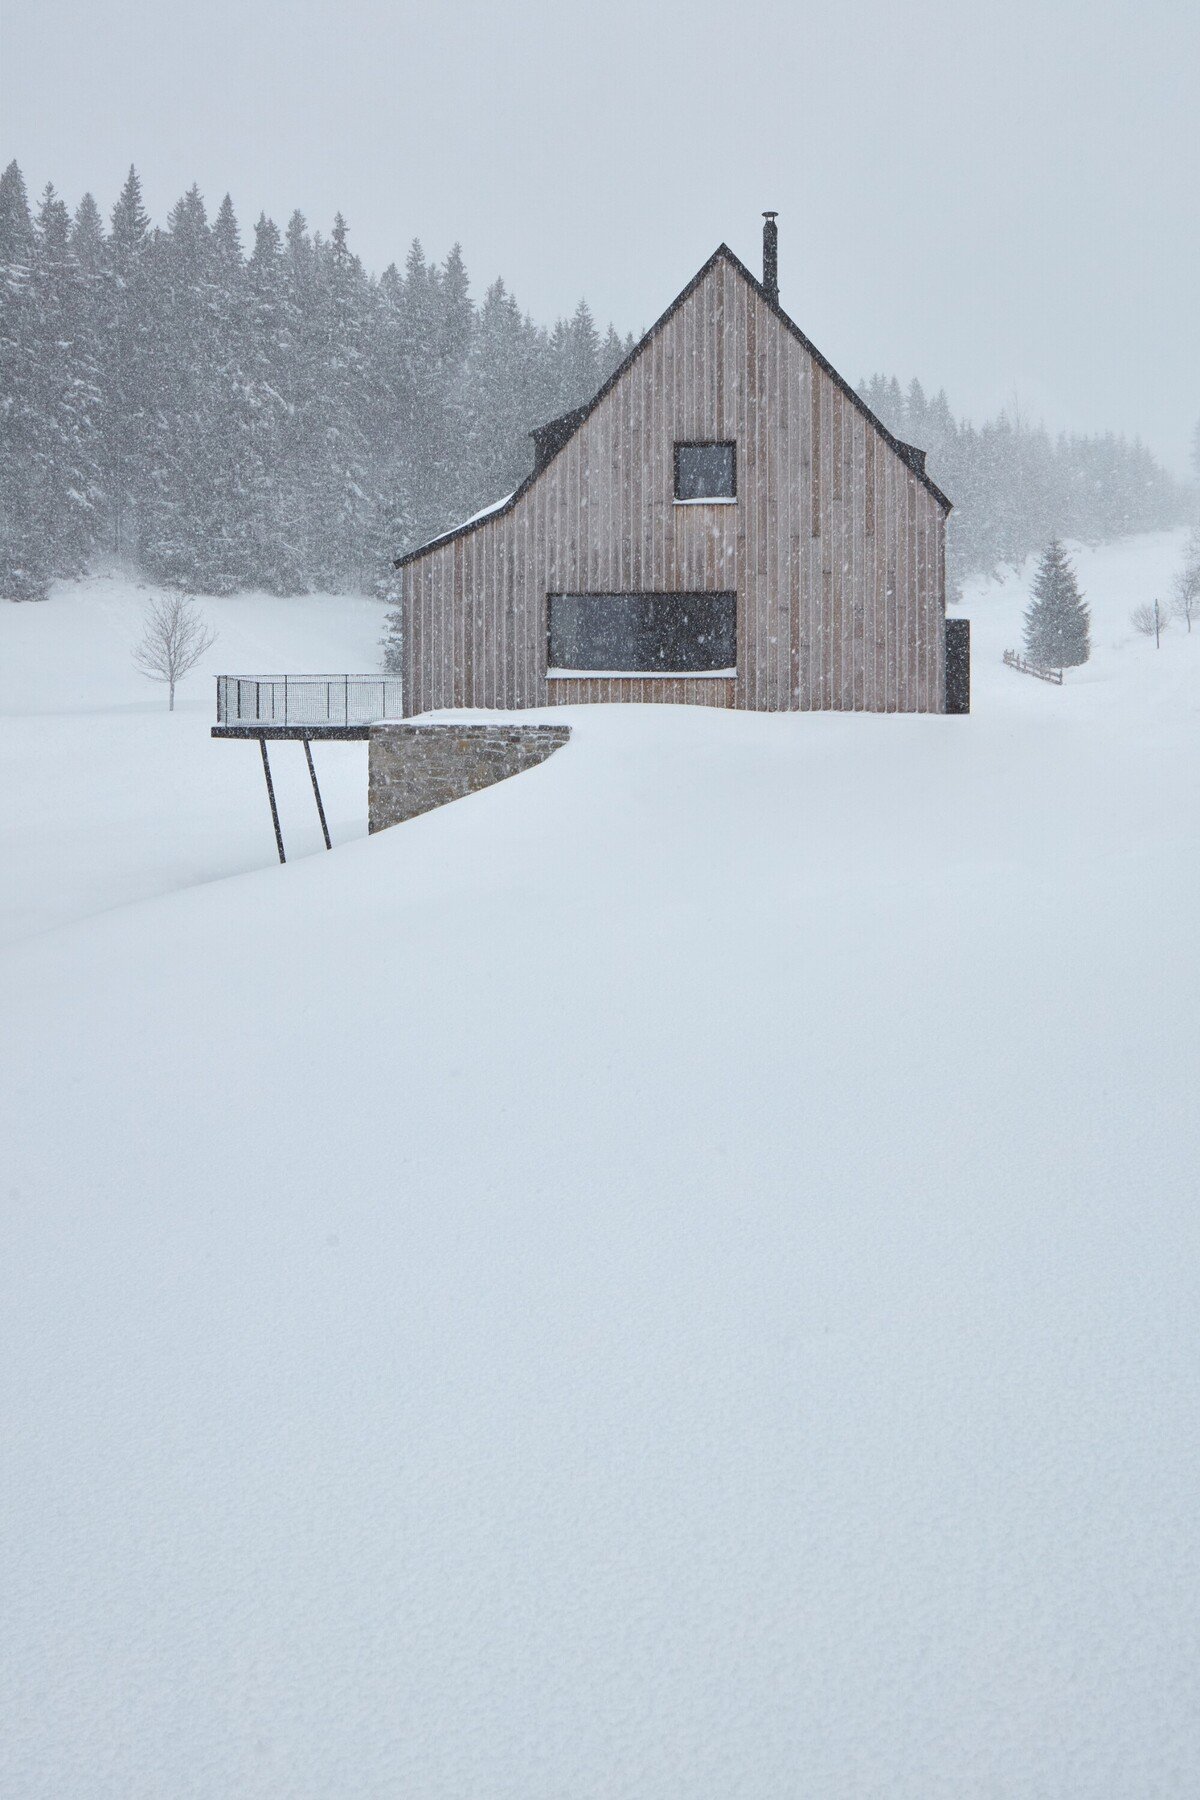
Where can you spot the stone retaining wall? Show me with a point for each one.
(412, 768)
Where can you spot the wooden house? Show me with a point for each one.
(726, 523)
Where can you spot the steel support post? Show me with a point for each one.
(262, 744)
(317, 792)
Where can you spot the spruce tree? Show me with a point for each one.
(129, 329)
(178, 507)
(91, 298)
(436, 323)
(390, 425)
(392, 641)
(273, 517)
(1057, 623)
(496, 401)
(343, 508)
(1013, 484)
(291, 421)
(581, 358)
(285, 422)
(612, 353)
(452, 412)
(87, 235)
(66, 449)
(23, 555)
(226, 557)
(300, 479)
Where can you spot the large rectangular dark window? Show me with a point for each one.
(643, 634)
(705, 471)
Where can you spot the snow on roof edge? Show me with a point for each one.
(473, 520)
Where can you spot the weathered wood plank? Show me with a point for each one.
(834, 547)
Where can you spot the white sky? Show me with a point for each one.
(1000, 198)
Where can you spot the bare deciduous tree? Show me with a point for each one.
(1185, 598)
(1148, 619)
(175, 638)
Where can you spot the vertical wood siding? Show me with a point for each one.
(835, 548)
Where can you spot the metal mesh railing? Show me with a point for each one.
(307, 699)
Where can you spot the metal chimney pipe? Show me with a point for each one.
(771, 257)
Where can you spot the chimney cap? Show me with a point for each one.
(770, 215)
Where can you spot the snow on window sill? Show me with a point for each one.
(709, 500)
(640, 674)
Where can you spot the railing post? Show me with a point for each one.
(286, 719)
(346, 699)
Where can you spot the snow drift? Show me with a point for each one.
(674, 1275)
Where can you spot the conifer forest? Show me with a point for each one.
(228, 411)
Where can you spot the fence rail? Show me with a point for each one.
(1013, 660)
(307, 699)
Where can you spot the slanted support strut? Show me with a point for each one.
(262, 744)
(316, 790)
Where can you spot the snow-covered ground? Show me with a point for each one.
(107, 797)
(673, 1276)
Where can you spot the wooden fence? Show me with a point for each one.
(1012, 660)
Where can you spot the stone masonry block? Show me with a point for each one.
(411, 768)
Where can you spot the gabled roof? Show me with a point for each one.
(551, 437)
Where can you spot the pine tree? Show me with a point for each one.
(289, 421)
(391, 424)
(225, 557)
(300, 478)
(128, 326)
(1013, 485)
(90, 302)
(392, 641)
(458, 311)
(23, 561)
(1057, 622)
(50, 486)
(176, 513)
(452, 412)
(612, 353)
(273, 517)
(916, 412)
(344, 506)
(582, 358)
(284, 422)
(87, 234)
(429, 329)
(496, 399)
(67, 452)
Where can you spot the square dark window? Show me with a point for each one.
(705, 471)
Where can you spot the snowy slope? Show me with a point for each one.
(674, 1275)
(106, 796)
